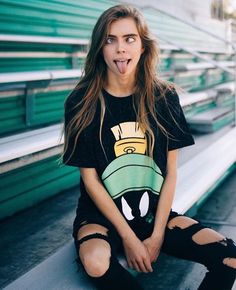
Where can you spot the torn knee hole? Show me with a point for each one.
(207, 236)
(231, 262)
(223, 242)
(182, 222)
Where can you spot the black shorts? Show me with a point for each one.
(143, 230)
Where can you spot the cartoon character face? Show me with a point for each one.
(133, 179)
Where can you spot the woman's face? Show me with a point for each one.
(123, 48)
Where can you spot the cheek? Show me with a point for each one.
(138, 55)
(138, 50)
(107, 55)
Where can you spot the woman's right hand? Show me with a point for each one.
(137, 255)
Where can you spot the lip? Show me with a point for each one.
(122, 59)
(128, 60)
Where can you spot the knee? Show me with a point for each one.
(96, 263)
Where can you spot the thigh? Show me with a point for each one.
(95, 232)
(92, 239)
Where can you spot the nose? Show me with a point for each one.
(120, 47)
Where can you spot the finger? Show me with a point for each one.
(136, 266)
(147, 262)
(143, 267)
(148, 265)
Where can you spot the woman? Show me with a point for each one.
(123, 129)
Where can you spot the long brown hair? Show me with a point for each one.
(94, 75)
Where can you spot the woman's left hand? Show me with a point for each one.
(153, 245)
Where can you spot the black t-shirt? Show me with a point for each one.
(132, 178)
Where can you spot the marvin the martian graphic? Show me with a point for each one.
(133, 179)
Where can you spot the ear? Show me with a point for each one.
(142, 50)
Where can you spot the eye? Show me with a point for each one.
(144, 204)
(126, 209)
(130, 39)
(109, 40)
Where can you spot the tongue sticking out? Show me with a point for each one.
(122, 66)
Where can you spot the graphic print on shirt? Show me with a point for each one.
(133, 179)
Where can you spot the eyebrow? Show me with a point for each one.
(126, 35)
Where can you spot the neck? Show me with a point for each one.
(120, 87)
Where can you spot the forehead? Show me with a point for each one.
(123, 26)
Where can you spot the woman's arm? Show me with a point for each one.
(136, 253)
(154, 242)
(104, 202)
(166, 195)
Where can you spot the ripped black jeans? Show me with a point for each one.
(178, 242)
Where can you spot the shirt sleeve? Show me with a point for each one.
(176, 125)
(83, 155)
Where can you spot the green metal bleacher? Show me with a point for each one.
(51, 18)
(36, 53)
(44, 92)
(33, 99)
(42, 48)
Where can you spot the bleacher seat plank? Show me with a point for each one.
(225, 87)
(209, 116)
(193, 98)
(6, 78)
(42, 39)
(24, 144)
(203, 171)
(203, 65)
